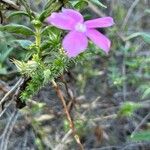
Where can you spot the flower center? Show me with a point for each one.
(80, 27)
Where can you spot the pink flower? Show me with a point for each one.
(76, 41)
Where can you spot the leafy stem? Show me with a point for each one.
(38, 39)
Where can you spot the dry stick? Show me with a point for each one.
(11, 4)
(64, 139)
(129, 13)
(8, 130)
(59, 93)
(6, 108)
(11, 90)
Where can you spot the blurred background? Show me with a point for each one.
(107, 95)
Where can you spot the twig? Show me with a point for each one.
(6, 108)
(91, 105)
(4, 87)
(11, 90)
(141, 123)
(70, 95)
(113, 116)
(11, 4)
(125, 21)
(24, 145)
(8, 130)
(59, 93)
(60, 146)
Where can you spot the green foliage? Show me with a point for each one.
(18, 29)
(37, 107)
(141, 136)
(51, 39)
(115, 77)
(145, 90)
(80, 4)
(24, 43)
(40, 57)
(128, 108)
(51, 6)
(5, 51)
(18, 13)
(98, 3)
(50, 59)
(145, 36)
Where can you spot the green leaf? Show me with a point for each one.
(53, 34)
(16, 13)
(145, 36)
(45, 44)
(46, 30)
(141, 136)
(3, 71)
(146, 93)
(81, 4)
(24, 43)
(4, 51)
(55, 6)
(48, 4)
(98, 3)
(18, 29)
(147, 11)
(128, 108)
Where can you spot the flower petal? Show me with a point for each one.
(61, 21)
(74, 43)
(99, 39)
(100, 22)
(73, 14)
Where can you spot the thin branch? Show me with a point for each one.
(10, 91)
(64, 139)
(6, 108)
(59, 93)
(8, 130)
(11, 4)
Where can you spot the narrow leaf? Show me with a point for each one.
(15, 28)
(98, 3)
(145, 36)
(18, 13)
(24, 43)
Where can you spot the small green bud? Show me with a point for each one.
(36, 23)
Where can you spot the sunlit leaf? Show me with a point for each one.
(128, 108)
